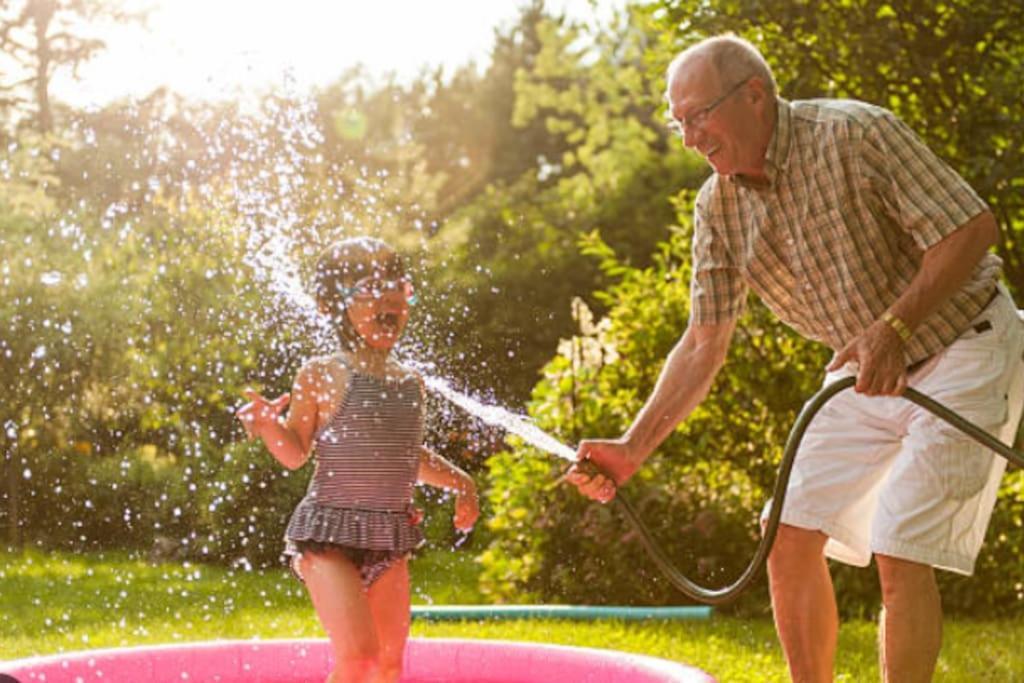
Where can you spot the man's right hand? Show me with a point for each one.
(616, 464)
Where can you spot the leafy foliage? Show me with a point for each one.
(701, 494)
(144, 244)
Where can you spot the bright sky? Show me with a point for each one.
(217, 48)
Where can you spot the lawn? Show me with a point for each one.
(63, 602)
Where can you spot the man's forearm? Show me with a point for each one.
(945, 268)
(684, 382)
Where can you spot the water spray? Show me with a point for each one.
(499, 417)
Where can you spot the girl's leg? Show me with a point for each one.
(340, 601)
(389, 602)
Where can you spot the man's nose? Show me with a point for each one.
(692, 137)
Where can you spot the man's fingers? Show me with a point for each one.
(587, 477)
(281, 401)
(895, 385)
(574, 477)
(864, 380)
(599, 488)
(606, 491)
(840, 359)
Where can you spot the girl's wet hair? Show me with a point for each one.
(340, 266)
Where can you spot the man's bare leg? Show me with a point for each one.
(910, 634)
(804, 603)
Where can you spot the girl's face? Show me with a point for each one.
(378, 306)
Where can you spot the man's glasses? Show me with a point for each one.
(699, 118)
(373, 288)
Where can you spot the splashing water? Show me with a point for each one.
(269, 204)
(273, 222)
(499, 417)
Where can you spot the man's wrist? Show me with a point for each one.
(898, 326)
(636, 451)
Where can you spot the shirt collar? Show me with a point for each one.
(776, 157)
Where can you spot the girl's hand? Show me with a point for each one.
(259, 413)
(467, 509)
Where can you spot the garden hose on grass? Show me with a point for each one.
(718, 596)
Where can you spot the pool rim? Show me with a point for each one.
(656, 668)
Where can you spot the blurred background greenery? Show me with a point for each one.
(546, 211)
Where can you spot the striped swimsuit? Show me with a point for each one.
(367, 460)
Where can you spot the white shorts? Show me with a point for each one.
(881, 475)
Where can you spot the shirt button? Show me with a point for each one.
(790, 241)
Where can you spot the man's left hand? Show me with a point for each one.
(880, 356)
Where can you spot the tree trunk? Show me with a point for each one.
(42, 15)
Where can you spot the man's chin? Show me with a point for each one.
(716, 163)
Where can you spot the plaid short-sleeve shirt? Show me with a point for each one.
(854, 199)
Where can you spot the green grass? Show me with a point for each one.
(62, 602)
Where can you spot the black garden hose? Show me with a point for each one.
(718, 596)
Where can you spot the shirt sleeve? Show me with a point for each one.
(918, 190)
(718, 292)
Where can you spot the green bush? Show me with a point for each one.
(81, 501)
(243, 505)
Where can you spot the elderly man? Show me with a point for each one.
(857, 236)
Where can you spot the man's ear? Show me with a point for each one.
(756, 89)
(759, 95)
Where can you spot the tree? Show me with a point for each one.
(509, 263)
(44, 35)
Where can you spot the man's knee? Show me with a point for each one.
(793, 544)
(899, 577)
(795, 552)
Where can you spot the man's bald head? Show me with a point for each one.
(727, 57)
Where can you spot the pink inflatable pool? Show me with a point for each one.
(307, 661)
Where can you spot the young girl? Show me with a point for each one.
(362, 413)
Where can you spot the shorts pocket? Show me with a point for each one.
(961, 467)
(985, 338)
(979, 350)
(970, 373)
(959, 464)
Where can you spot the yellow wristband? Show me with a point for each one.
(901, 327)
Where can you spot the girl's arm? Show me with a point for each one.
(290, 440)
(436, 471)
